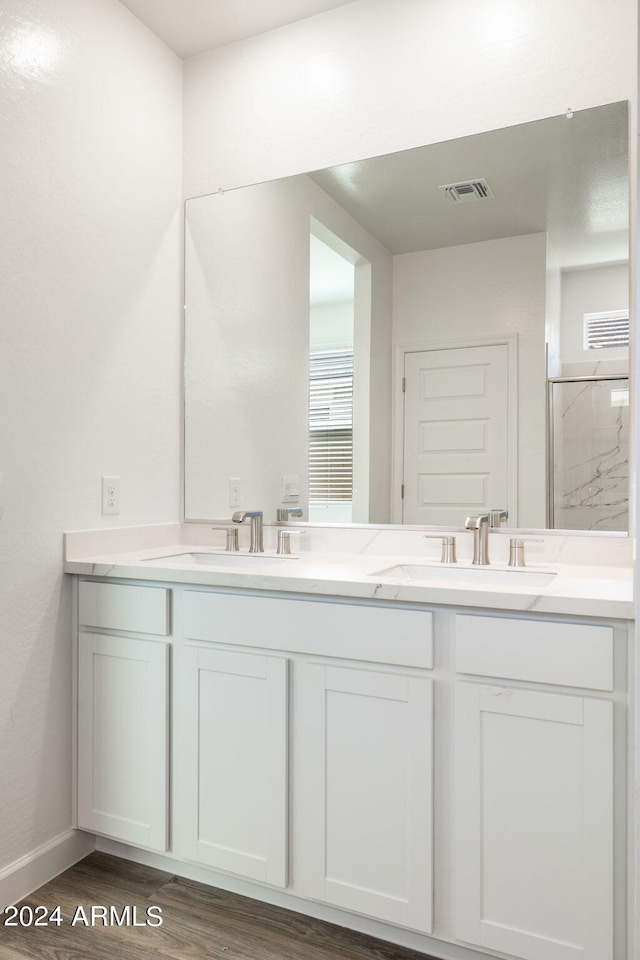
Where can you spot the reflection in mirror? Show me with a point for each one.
(589, 440)
(371, 347)
(331, 319)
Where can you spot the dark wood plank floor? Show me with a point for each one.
(199, 922)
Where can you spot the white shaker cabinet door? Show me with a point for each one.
(231, 761)
(123, 741)
(534, 823)
(367, 788)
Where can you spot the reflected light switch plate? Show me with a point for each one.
(290, 489)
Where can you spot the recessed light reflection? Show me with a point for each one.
(30, 52)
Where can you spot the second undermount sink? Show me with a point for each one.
(245, 560)
(486, 576)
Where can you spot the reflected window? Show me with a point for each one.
(331, 352)
(331, 434)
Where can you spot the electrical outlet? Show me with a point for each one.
(234, 491)
(110, 496)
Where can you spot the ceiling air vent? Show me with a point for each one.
(467, 191)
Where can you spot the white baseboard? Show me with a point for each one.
(25, 875)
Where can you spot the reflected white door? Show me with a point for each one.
(456, 438)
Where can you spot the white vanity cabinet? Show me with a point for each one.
(123, 713)
(362, 780)
(534, 846)
(319, 745)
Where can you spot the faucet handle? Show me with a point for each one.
(448, 546)
(284, 539)
(232, 538)
(516, 549)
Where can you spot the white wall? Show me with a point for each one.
(90, 362)
(494, 288)
(593, 290)
(377, 76)
(331, 325)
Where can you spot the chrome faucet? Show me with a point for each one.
(255, 516)
(287, 513)
(480, 527)
(498, 517)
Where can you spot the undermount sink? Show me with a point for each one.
(247, 560)
(489, 576)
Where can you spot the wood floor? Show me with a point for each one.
(199, 922)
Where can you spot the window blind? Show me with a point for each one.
(331, 426)
(602, 330)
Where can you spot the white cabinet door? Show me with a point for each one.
(123, 738)
(367, 785)
(232, 763)
(534, 823)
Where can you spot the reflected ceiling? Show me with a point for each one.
(564, 176)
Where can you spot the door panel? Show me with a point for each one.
(368, 793)
(123, 760)
(534, 823)
(233, 757)
(456, 437)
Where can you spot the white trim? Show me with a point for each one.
(397, 441)
(75, 630)
(32, 871)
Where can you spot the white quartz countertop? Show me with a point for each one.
(578, 590)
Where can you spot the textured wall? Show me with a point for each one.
(382, 75)
(90, 114)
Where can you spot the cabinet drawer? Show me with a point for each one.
(117, 606)
(569, 654)
(379, 634)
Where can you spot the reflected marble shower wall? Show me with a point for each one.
(590, 454)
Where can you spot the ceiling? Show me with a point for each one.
(191, 27)
(567, 177)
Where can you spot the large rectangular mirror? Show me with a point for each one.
(419, 336)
